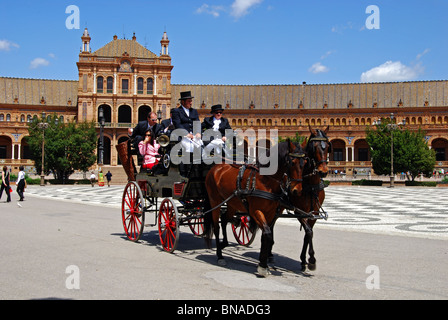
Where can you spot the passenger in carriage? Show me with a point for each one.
(219, 124)
(149, 148)
(138, 133)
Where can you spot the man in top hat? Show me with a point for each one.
(217, 123)
(183, 118)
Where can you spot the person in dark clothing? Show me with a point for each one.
(184, 118)
(219, 125)
(5, 184)
(21, 183)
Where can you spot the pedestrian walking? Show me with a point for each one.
(5, 184)
(92, 179)
(108, 177)
(20, 183)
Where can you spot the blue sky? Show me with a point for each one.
(245, 42)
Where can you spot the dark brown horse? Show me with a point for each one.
(263, 198)
(313, 194)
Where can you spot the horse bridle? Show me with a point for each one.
(312, 161)
(291, 156)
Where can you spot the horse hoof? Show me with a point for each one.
(222, 262)
(303, 266)
(263, 272)
(311, 266)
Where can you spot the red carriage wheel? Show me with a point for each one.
(168, 225)
(132, 211)
(197, 227)
(242, 231)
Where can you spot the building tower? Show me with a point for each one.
(165, 43)
(85, 41)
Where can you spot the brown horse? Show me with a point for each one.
(263, 198)
(313, 193)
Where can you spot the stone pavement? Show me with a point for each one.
(408, 211)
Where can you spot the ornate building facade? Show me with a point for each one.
(126, 81)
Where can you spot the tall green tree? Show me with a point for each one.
(411, 151)
(68, 146)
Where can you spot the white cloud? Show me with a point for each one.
(422, 54)
(212, 10)
(241, 7)
(392, 71)
(39, 62)
(318, 68)
(6, 45)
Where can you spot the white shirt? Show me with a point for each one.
(216, 124)
(20, 176)
(187, 111)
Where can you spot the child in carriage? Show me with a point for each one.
(149, 148)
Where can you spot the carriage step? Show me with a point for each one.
(150, 225)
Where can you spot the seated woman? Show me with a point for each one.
(149, 150)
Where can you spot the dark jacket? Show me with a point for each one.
(208, 124)
(142, 126)
(182, 121)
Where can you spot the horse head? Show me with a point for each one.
(317, 148)
(296, 159)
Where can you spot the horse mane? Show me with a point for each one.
(282, 151)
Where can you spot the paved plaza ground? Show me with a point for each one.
(410, 211)
(378, 243)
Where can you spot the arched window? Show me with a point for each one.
(140, 86)
(100, 84)
(110, 85)
(150, 86)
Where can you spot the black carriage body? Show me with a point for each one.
(174, 185)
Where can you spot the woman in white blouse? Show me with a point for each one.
(21, 183)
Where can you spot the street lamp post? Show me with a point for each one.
(101, 146)
(43, 126)
(159, 115)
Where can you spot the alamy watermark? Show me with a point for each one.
(248, 146)
(373, 20)
(373, 280)
(73, 281)
(73, 20)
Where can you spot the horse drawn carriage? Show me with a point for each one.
(169, 200)
(221, 193)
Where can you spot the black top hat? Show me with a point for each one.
(185, 95)
(216, 108)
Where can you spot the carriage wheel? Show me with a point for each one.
(244, 235)
(197, 227)
(132, 211)
(168, 225)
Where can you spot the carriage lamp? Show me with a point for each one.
(159, 115)
(102, 122)
(43, 126)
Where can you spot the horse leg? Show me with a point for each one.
(270, 254)
(312, 259)
(306, 241)
(266, 243)
(219, 246)
(224, 221)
